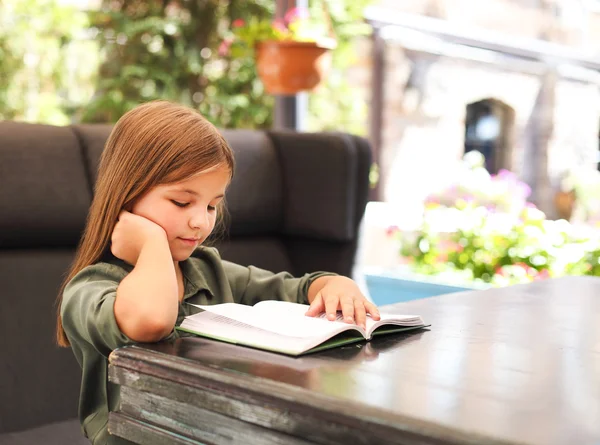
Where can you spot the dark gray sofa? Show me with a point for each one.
(295, 204)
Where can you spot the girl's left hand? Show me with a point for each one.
(333, 293)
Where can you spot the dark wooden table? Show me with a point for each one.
(501, 366)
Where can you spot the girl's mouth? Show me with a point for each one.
(190, 241)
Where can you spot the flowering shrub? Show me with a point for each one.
(489, 233)
(503, 192)
(499, 248)
(296, 25)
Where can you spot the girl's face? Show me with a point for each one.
(186, 210)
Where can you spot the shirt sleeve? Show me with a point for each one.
(249, 285)
(87, 309)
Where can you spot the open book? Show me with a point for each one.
(283, 327)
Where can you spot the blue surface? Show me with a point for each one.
(388, 290)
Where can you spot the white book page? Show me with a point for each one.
(393, 319)
(216, 326)
(281, 309)
(277, 309)
(282, 319)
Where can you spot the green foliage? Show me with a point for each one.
(45, 66)
(245, 34)
(499, 248)
(296, 25)
(588, 265)
(59, 64)
(481, 228)
(167, 50)
(338, 105)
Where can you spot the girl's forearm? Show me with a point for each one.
(147, 299)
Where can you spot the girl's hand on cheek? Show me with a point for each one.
(130, 235)
(342, 293)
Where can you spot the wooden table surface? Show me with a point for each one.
(501, 366)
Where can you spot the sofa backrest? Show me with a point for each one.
(295, 204)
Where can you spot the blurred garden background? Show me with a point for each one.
(90, 61)
(484, 117)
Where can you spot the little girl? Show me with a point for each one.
(161, 183)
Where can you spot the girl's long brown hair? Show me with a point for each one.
(155, 143)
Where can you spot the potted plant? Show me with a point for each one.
(292, 54)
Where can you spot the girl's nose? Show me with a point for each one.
(200, 221)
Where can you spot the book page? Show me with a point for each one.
(275, 309)
(215, 326)
(283, 308)
(280, 317)
(278, 307)
(393, 320)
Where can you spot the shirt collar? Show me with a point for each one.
(194, 279)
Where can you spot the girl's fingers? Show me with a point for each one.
(347, 309)
(316, 307)
(359, 313)
(372, 309)
(331, 306)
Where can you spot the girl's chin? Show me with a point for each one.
(181, 256)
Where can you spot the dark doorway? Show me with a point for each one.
(488, 129)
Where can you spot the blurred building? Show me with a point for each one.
(517, 80)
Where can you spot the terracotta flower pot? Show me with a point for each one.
(564, 203)
(288, 67)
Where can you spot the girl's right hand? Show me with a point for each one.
(131, 233)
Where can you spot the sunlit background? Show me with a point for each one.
(484, 117)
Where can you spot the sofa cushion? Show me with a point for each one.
(60, 433)
(39, 382)
(43, 183)
(322, 183)
(255, 209)
(92, 138)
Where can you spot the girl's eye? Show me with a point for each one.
(211, 208)
(180, 204)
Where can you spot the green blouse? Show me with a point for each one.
(89, 321)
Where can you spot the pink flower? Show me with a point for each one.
(542, 275)
(450, 246)
(441, 257)
(224, 47)
(506, 175)
(279, 25)
(392, 230)
(295, 14)
(238, 23)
